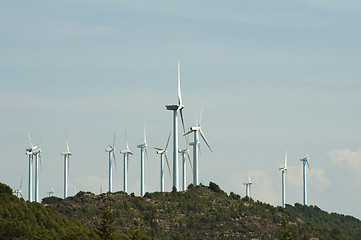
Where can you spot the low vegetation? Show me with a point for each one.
(201, 212)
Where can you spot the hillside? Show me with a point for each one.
(30, 220)
(206, 213)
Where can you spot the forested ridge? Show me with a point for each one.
(201, 212)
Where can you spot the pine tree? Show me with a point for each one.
(106, 229)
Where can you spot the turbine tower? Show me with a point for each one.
(305, 161)
(126, 154)
(196, 146)
(176, 108)
(143, 148)
(66, 168)
(284, 171)
(111, 152)
(163, 151)
(31, 152)
(248, 186)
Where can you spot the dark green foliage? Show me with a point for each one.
(5, 189)
(199, 213)
(30, 220)
(106, 229)
(51, 200)
(214, 187)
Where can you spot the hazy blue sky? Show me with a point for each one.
(271, 74)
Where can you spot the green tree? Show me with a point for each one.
(106, 229)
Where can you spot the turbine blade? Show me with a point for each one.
(126, 139)
(166, 159)
(181, 114)
(308, 166)
(127, 162)
(68, 162)
(189, 158)
(158, 149)
(200, 152)
(114, 141)
(145, 137)
(31, 142)
(67, 146)
(188, 132)
(286, 160)
(115, 162)
(41, 165)
(179, 88)
(146, 153)
(200, 116)
(166, 146)
(21, 182)
(205, 140)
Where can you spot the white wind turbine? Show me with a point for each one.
(163, 151)
(126, 154)
(284, 171)
(51, 192)
(305, 161)
(143, 148)
(176, 108)
(248, 186)
(66, 168)
(111, 151)
(184, 171)
(31, 152)
(18, 191)
(196, 146)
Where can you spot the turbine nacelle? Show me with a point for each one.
(183, 151)
(160, 150)
(110, 149)
(144, 145)
(66, 153)
(126, 152)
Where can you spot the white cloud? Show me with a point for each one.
(346, 156)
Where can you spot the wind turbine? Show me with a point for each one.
(31, 152)
(305, 161)
(126, 154)
(18, 191)
(184, 172)
(176, 108)
(66, 168)
(143, 148)
(163, 151)
(284, 171)
(51, 192)
(196, 145)
(111, 152)
(248, 186)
